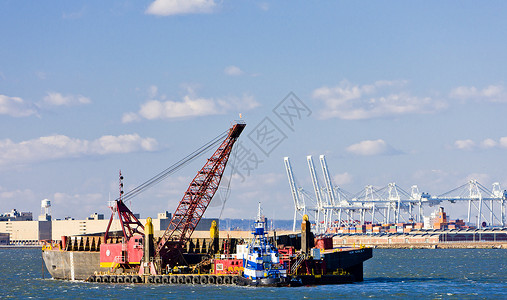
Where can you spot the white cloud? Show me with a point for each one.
(153, 91)
(480, 177)
(243, 198)
(19, 199)
(491, 93)
(436, 179)
(381, 99)
(234, 103)
(503, 142)
(60, 146)
(342, 179)
(65, 204)
(489, 143)
(155, 109)
(464, 144)
(126, 143)
(41, 75)
(130, 117)
(256, 180)
(15, 195)
(371, 147)
(245, 195)
(15, 107)
(233, 71)
(180, 7)
(464, 92)
(74, 15)
(264, 6)
(190, 106)
(57, 99)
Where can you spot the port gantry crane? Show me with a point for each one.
(337, 198)
(381, 201)
(334, 200)
(390, 203)
(322, 205)
(330, 200)
(478, 197)
(184, 221)
(298, 195)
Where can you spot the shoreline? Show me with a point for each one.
(19, 246)
(470, 245)
(476, 245)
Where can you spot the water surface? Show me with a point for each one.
(391, 273)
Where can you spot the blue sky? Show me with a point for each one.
(395, 91)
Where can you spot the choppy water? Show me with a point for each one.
(391, 273)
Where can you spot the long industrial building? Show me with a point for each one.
(28, 232)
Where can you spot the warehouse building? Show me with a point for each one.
(28, 232)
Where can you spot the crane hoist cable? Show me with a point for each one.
(227, 193)
(196, 199)
(175, 167)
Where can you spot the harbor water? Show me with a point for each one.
(391, 273)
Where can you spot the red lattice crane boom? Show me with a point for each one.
(196, 199)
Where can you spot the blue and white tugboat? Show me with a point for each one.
(262, 261)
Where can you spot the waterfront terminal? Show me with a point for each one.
(19, 229)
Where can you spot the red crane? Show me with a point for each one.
(188, 214)
(125, 216)
(129, 252)
(196, 200)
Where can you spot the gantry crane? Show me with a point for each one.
(391, 202)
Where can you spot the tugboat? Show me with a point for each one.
(261, 261)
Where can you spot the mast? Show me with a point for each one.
(126, 217)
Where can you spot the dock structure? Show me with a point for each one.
(469, 238)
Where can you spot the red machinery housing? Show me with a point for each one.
(129, 253)
(118, 255)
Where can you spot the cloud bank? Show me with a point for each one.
(57, 99)
(233, 71)
(180, 7)
(485, 144)
(342, 178)
(15, 107)
(381, 99)
(60, 147)
(190, 106)
(372, 147)
(491, 93)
